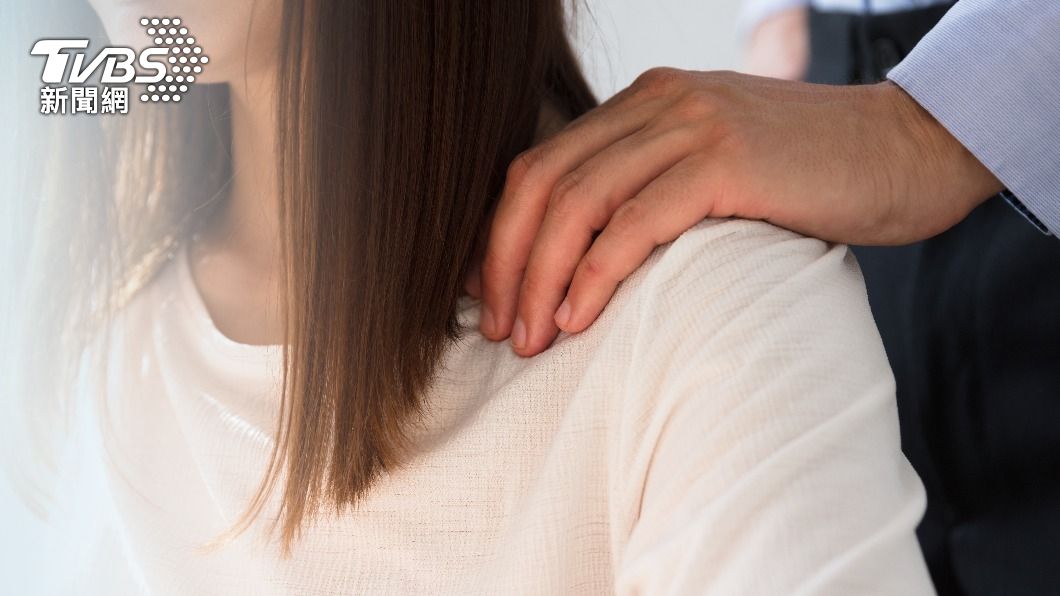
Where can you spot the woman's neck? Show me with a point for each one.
(250, 222)
(236, 257)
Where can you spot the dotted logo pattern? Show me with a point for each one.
(185, 59)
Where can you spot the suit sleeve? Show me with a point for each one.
(988, 72)
(759, 441)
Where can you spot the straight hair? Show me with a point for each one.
(397, 122)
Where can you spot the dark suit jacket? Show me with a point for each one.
(971, 323)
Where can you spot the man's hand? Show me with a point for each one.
(585, 208)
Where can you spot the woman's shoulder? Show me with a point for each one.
(751, 397)
(748, 300)
(728, 265)
(759, 249)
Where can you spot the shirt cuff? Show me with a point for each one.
(1026, 213)
(988, 72)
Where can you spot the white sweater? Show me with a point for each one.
(728, 426)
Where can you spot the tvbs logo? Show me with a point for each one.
(168, 68)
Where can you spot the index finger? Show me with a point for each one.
(524, 201)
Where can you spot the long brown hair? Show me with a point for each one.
(397, 121)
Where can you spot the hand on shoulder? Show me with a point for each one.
(582, 210)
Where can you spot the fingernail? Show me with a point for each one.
(489, 326)
(563, 315)
(518, 334)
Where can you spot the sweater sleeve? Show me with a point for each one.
(759, 447)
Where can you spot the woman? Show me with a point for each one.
(305, 362)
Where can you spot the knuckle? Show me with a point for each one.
(594, 267)
(696, 105)
(521, 167)
(660, 80)
(688, 137)
(628, 218)
(566, 195)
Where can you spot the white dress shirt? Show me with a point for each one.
(990, 73)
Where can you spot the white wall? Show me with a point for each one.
(619, 39)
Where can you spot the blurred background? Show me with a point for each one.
(619, 39)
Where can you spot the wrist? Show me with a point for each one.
(938, 172)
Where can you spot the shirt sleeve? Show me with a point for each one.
(988, 72)
(761, 447)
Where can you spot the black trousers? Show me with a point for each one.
(971, 323)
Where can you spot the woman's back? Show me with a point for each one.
(727, 426)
